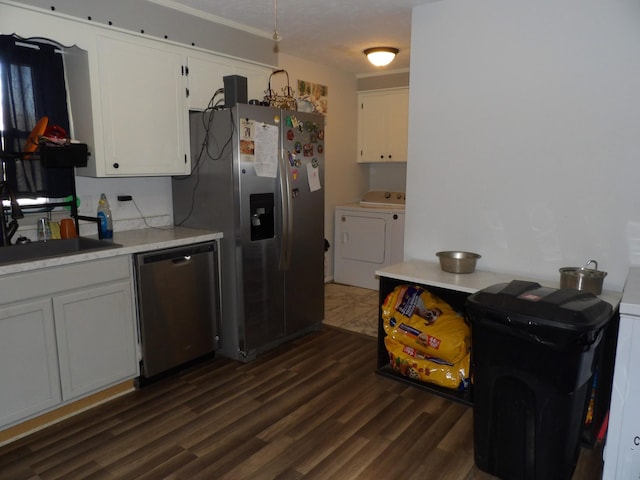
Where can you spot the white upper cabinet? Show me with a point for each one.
(383, 125)
(144, 112)
(205, 77)
(130, 94)
(257, 79)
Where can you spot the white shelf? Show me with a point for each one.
(429, 273)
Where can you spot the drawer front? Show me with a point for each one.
(49, 281)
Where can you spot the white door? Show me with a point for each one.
(29, 379)
(143, 92)
(96, 338)
(363, 238)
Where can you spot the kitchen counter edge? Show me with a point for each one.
(132, 241)
(430, 273)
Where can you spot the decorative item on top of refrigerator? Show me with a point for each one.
(257, 177)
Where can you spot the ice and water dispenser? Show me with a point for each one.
(262, 217)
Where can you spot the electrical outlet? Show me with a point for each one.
(88, 205)
(123, 199)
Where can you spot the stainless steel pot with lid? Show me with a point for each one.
(583, 278)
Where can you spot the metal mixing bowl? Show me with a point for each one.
(458, 262)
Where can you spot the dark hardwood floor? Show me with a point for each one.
(312, 409)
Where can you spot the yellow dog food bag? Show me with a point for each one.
(416, 318)
(411, 363)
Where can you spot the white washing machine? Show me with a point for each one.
(368, 236)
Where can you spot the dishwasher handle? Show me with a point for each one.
(177, 255)
(181, 260)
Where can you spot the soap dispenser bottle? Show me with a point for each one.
(104, 215)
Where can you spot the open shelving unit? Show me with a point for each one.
(454, 289)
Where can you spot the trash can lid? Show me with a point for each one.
(565, 309)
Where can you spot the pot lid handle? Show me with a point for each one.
(590, 262)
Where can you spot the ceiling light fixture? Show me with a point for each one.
(381, 56)
(276, 34)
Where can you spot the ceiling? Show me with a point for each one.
(332, 32)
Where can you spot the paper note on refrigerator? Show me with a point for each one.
(313, 174)
(266, 150)
(247, 144)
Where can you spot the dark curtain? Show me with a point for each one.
(33, 86)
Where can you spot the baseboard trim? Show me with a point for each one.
(11, 434)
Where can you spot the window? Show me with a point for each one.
(32, 86)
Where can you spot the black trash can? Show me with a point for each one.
(532, 358)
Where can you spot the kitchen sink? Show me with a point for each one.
(29, 252)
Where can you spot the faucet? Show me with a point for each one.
(7, 230)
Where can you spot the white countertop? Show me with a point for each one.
(429, 273)
(631, 298)
(132, 241)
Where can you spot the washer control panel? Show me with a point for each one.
(382, 198)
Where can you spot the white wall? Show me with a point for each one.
(158, 21)
(524, 138)
(345, 180)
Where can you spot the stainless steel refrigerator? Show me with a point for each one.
(257, 176)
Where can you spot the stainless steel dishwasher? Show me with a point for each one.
(178, 306)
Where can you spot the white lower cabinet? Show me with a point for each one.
(29, 374)
(94, 333)
(65, 332)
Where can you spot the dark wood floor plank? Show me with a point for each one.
(216, 463)
(163, 469)
(310, 409)
(337, 464)
(266, 463)
(17, 471)
(337, 397)
(59, 458)
(386, 465)
(207, 427)
(138, 461)
(456, 440)
(393, 413)
(313, 448)
(152, 433)
(445, 465)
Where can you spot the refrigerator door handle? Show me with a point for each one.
(287, 215)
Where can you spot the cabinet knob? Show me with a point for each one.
(116, 165)
(381, 156)
(389, 156)
(395, 217)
